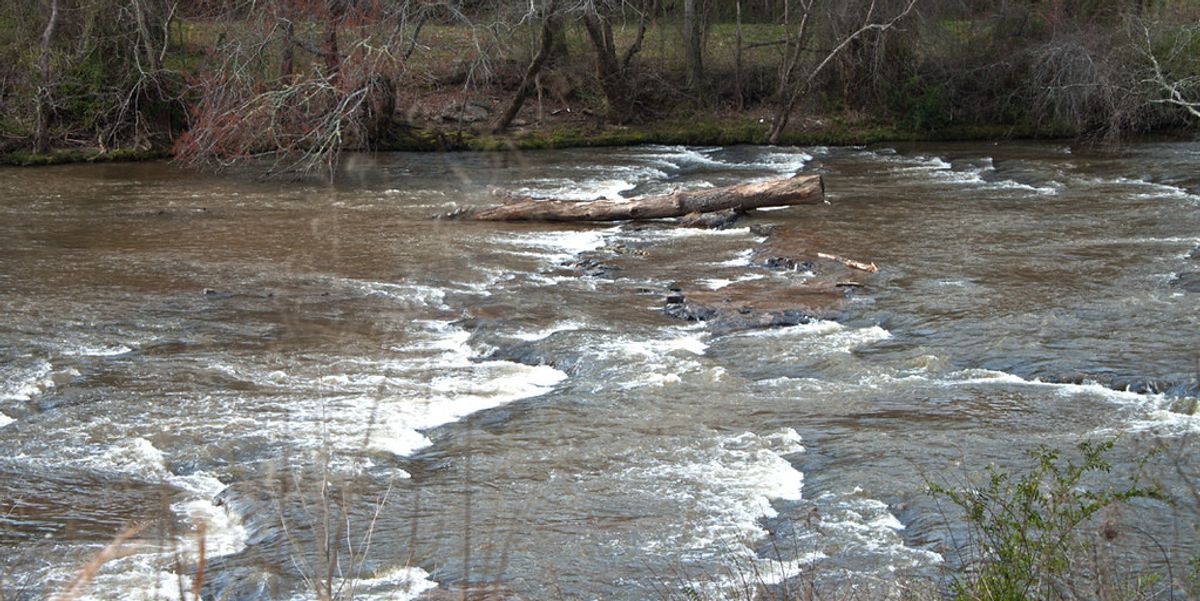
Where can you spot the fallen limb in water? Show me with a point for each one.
(851, 263)
(798, 190)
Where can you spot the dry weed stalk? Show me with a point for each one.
(114, 550)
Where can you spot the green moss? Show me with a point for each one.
(696, 132)
(65, 156)
(699, 131)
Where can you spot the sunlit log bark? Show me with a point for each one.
(799, 190)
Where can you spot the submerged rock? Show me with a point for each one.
(242, 584)
(757, 304)
(1189, 281)
(817, 291)
(484, 593)
(1123, 383)
(591, 267)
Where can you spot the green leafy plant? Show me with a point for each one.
(1027, 527)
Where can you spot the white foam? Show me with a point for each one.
(139, 575)
(430, 381)
(201, 484)
(134, 456)
(1087, 388)
(640, 172)
(719, 283)
(783, 163)
(544, 280)
(943, 171)
(408, 294)
(972, 176)
(5, 420)
(716, 283)
(1095, 389)
(672, 233)
(569, 189)
(920, 163)
(1155, 189)
(107, 350)
(396, 584)
(1164, 422)
(818, 327)
(136, 577)
(563, 243)
(985, 376)
(822, 337)
(726, 489)
(542, 334)
(678, 157)
(1189, 243)
(1049, 189)
(741, 260)
(693, 343)
(659, 379)
(223, 531)
(394, 436)
(24, 383)
(859, 524)
(503, 382)
(662, 357)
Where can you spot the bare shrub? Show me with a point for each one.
(1081, 81)
(262, 101)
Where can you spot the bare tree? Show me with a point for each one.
(42, 135)
(302, 121)
(693, 42)
(1166, 88)
(121, 44)
(550, 23)
(612, 70)
(739, 92)
(796, 76)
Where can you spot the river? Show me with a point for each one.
(246, 369)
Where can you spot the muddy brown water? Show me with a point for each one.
(507, 407)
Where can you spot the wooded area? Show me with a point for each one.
(296, 82)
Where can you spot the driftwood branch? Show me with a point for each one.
(851, 263)
(802, 189)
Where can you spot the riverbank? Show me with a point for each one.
(586, 132)
(64, 156)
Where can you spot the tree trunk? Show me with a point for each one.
(147, 39)
(41, 142)
(737, 60)
(287, 59)
(528, 83)
(693, 32)
(380, 109)
(782, 116)
(802, 189)
(787, 92)
(335, 11)
(608, 68)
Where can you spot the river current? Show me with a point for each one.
(213, 365)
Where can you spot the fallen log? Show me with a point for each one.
(851, 263)
(798, 190)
